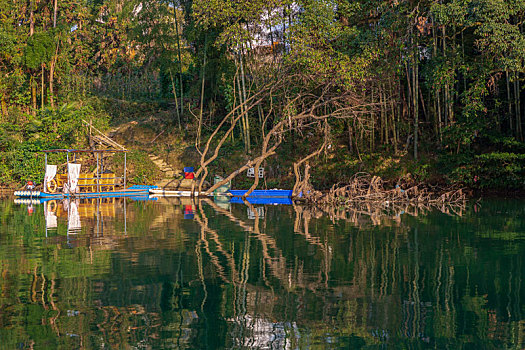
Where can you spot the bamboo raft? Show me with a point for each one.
(72, 183)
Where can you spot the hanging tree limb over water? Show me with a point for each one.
(316, 103)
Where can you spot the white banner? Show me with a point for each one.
(73, 171)
(51, 171)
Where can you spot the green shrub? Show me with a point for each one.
(49, 129)
(26, 163)
(495, 170)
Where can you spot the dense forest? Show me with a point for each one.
(431, 88)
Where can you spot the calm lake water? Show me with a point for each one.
(172, 274)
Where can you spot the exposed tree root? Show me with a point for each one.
(365, 188)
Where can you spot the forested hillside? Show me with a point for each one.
(327, 88)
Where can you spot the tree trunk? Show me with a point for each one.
(234, 119)
(517, 106)
(3, 107)
(31, 32)
(372, 132)
(423, 105)
(439, 121)
(401, 102)
(387, 141)
(382, 129)
(284, 30)
(175, 98)
(199, 131)
(393, 115)
(446, 93)
(43, 87)
(243, 120)
(273, 51)
(52, 78)
(248, 145)
(409, 90)
(437, 102)
(54, 60)
(350, 142)
(509, 102)
(180, 58)
(33, 94)
(31, 19)
(55, 8)
(415, 87)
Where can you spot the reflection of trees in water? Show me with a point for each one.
(396, 281)
(271, 253)
(296, 273)
(385, 213)
(49, 285)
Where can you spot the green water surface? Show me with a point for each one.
(170, 274)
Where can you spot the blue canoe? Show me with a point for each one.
(263, 193)
(40, 200)
(132, 191)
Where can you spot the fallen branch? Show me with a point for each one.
(370, 189)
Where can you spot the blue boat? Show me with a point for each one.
(133, 191)
(263, 193)
(39, 194)
(40, 200)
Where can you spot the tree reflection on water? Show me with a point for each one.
(138, 274)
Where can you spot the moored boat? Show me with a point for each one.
(78, 180)
(262, 193)
(174, 193)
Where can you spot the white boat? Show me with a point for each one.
(170, 193)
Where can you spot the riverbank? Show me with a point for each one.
(493, 167)
(154, 135)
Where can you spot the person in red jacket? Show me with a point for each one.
(30, 185)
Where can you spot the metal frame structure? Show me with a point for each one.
(97, 152)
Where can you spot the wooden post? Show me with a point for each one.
(98, 171)
(67, 170)
(125, 164)
(45, 170)
(43, 88)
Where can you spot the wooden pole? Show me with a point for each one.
(67, 170)
(45, 169)
(98, 171)
(125, 169)
(43, 88)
